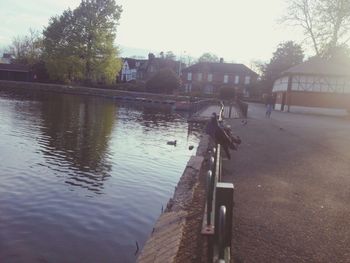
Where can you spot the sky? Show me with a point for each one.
(240, 31)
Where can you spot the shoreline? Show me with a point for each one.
(176, 235)
(82, 90)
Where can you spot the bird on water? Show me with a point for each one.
(171, 143)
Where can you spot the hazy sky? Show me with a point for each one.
(237, 30)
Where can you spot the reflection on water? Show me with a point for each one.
(83, 178)
(77, 134)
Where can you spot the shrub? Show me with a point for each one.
(165, 81)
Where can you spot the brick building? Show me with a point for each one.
(316, 83)
(209, 77)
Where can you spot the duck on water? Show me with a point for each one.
(171, 143)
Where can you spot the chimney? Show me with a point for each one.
(151, 56)
(221, 60)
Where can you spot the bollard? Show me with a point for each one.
(211, 163)
(224, 197)
(209, 197)
(221, 232)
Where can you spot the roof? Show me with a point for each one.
(319, 66)
(14, 67)
(132, 62)
(160, 63)
(220, 67)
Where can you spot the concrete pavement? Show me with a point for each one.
(292, 188)
(208, 111)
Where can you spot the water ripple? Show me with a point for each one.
(82, 178)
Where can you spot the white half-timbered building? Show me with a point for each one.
(129, 70)
(316, 83)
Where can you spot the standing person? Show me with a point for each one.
(269, 106)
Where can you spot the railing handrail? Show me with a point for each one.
(210, 220)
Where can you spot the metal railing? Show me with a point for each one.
(217, 219)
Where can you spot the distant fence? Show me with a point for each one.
(198, 105)
(217, 218)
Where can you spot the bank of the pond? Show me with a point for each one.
(176, 235)
(81, 90)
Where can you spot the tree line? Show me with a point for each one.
(76, 46)
(325, 24)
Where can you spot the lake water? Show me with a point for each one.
(82, 178)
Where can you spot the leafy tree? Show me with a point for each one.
(208, 57)
(165, 81)
(325, 22)
(78, 45)
(61, 50)
(288, 54)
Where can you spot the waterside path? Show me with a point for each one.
(292, 188)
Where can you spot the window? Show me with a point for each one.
(209, 89)
(210, 77)
(236, 79)
(189, 76)
(225, 78)
(247, 80)
(199, 76)
(189, 88)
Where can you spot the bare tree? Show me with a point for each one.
(26, 49)
(325, 22)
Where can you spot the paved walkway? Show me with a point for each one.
(292, 188)
(207, 112)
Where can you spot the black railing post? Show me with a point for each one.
(209, 197)
(224, 197)
(221, 232)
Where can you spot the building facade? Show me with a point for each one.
(209, 77)
(316, 83)
(144, 69)
(130, 69)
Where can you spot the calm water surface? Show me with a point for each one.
(82, 179)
